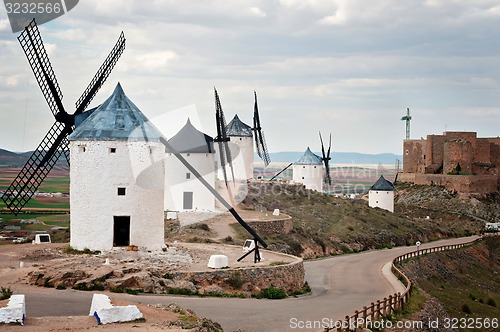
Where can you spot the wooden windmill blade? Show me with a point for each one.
(38, 166)
(55, 143)
(222, 139)
(32, 45)
(260, 141)
(326, 158)
(101, 75)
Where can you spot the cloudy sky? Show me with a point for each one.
(349, 67)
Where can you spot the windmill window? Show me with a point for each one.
(81, 148)
(376, 202)
(314, 166)
(188, 154)
(302, 178)
(112, 150)
(407, 152)
(303, 167)
(241, 139)
(121, 191)
(188, 176)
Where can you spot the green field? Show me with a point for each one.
(56, 182)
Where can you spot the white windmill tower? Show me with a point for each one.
(309, 171)
(242, 150)
(117, 178)
(381, 194)
(183, 191)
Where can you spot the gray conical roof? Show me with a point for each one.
(191, 140)
(117, 119)
(237, 128)
(382, 185)
(309, 158)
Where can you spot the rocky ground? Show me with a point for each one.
(55, 266)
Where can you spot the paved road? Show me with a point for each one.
(340, 285)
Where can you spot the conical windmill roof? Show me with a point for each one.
(382, 185)
(309, 158)
(117, 119)
(237, 128)
(191, 140)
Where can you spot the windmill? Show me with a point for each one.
(222, 139)
(407, 118)
(55, 143)
(260, 141)
(326, 158)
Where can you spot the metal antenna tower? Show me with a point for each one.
(407, 118)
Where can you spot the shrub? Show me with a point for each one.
(60, 286)
(228, 239)
(491, 302)
(272, 293)
(235, 280)
(117, 289)
(5, 293)
(134, 291)
(180, 291)
(466, 309)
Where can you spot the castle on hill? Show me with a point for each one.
(460, 161)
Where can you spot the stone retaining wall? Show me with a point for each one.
(278, 226)
(289, 277)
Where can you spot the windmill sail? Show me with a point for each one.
(222, 139)
(55, 142)
(260, 141)
(326, 158)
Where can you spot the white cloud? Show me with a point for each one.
(256, 11)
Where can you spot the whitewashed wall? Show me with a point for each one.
(96, 174)
(382, 199)
(176, 183)
(310, 175)
(242, 151)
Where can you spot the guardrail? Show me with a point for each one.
(395, 302)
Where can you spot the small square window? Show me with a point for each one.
(112, 150)
(188, 176)
(302, 178)
(81, 148)
(121, 191)
(188, 154)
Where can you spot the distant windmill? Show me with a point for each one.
(222, 139)
(55, 143)
(407, 118)
(326, 158)
(260, 141)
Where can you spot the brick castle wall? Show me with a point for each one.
(479, 184)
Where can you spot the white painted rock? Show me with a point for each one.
(218, 261)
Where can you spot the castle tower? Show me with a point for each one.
(183, 191)
(309, 171)
(117, 178)
(381, 195)
(242, 150)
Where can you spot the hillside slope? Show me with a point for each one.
(465, 282)
(325, 225)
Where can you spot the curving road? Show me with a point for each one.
(340, 285)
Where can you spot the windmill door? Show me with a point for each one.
(187, 200)
(121, 231)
